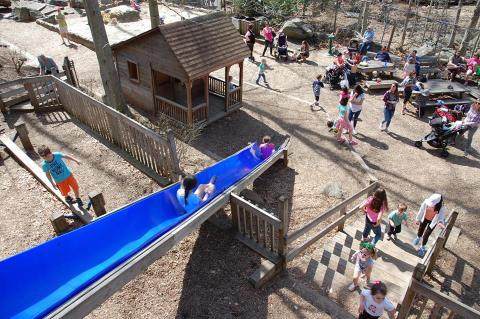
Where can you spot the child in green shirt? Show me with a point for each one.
(261, 71)
(395, 220)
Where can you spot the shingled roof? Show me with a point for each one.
(202, 44)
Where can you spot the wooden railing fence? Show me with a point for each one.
(417, 288)
(216, 86)
(234, 97)
(150, 152)
(258, 229)
(43, 93)
(339, 222)
(179, 112)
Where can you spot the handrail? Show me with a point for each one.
(199, 106)
(444, 300)
(161, 98)
(254, 209)
(428, 255)
(300, 232)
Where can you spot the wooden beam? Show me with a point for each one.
(282, 237)
(22, 131)
(37, 172)
(446, 301)
(59, 223)
(405, 24)
(227, 95)
(240, 80)
(98, 203)
(205, 93)
(409, 295)
(439, 243)
(188, 87)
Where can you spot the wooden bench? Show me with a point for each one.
(382, 85)
(450, 102)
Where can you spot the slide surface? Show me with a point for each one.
(35, 282)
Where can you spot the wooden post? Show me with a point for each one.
(234, 211)
(240, 80)
(108, 73)
(3, 108)
(440, 243)
(451, 42)
(405, 24)
(33, 99)
(59, 223)
(450, 226)
(392, 33)
(98, 203)
(335, 18)
(282, 240)
(409, 296)
(22, 131)
(364, 16)
(206, 94)
(188, 87)
(154, 16)
(343, 212)
(173, 154)
(227, 94)
(468, 31)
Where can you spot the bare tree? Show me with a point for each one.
(17, 58)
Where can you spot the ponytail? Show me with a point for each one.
(189, 183)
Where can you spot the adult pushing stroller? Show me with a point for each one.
(281, 49)
(444, 130)
(334, 75)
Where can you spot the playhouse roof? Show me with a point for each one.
(200, 45)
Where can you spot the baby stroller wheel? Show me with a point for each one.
(444, 153)
(418, 143)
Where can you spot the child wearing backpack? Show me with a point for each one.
(316, 86)
(363, 260)
(374, 301)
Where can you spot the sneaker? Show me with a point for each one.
(341, 141)
(352, 142)
(386, 130)
(395, 236)
(416, 241)
(69, 200)
(422, 251)
(352, 287)
(381, 126)
(389, 237)
(316, 103)
(79, 202)
(355, 132)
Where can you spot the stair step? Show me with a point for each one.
(25, 106)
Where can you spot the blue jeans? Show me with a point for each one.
(262, 75)
(364, 47)
(377, 230)
(354, 116)
(417, 69)
(387, 116)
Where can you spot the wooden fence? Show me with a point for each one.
(234, 98)
(423, 292)
(156, 155)
(216, 86)
(258, 229)
(340, 209)
(179, 112)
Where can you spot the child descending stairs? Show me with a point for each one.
(330, 270)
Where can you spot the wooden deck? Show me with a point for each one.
(330, 269)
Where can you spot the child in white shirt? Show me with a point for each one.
(374, 301)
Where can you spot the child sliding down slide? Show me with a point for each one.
(189, 199)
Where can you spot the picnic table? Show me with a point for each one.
(439, 87)
(374, 65)
(379, 85)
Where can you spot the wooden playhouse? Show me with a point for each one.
(168, 69)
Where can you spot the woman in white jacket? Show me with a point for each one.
(430, 214)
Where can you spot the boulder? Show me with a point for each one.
(333, 190)
(345, 34)
(25, 11)
(297, 29)
(123, 13)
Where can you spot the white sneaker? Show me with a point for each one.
(355, 132)
(381, 126)
(386, 130)
(352, 287)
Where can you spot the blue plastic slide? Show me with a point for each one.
(35, 282)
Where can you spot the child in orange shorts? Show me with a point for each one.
(59, 174)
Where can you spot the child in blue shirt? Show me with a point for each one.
(395, 219)
(189, 199)
(316, 86)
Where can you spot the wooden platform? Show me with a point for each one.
(330, 269)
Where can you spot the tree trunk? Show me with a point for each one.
(405, 25)
(108, 72)
(457, 18)
(467, 37)
(154, 15)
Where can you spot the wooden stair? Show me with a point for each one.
(329, 269)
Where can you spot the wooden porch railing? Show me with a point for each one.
(258, 229)
(418, 288)
(216, 86)
(340, 208)
(234, 98)
(179, 112)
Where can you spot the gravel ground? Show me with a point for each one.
(205, 275)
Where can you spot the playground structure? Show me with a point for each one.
(161, 74)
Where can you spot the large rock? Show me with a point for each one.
(333, 190)
(123, 13)
(297, 29)
(25, 11)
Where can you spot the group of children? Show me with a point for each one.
(373, 301)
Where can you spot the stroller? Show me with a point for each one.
(281, 49)
(446, 125)
(333, 76)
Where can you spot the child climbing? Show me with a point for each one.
(343, 122)
(395, 220)
(316, 86)
(261, 71)
(363, 260)
(266, 148)
(59, 174)
(190, 199)
(356, 104)
(374, 301)
(344, 94)
(373, 208)
(430, 214)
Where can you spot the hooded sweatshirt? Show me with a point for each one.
(431, 202)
